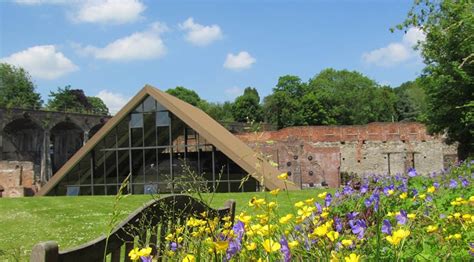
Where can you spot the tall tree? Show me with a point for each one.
(74, 100)
(247, 106)
(352, 98)
(448, 53)
(16, 88)
(411, 101)
(187, 95)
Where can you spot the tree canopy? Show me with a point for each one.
(74, 100)
(187, 95)
(448, 77)
(16, 88)
(247, 106)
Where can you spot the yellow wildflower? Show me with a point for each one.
(271, 246)
(144, 252)
(275, 191)
(347, 242)
(403, 195)
(286, 219)
(332, 235)
(352, 258)
(309, 201)
(431, 189)
(305, 211)
(390, 192)
(221, 246)
(256, 202)
(189, 258)
(457, 215)
(244, 218)
(251, 246)
(411, 216)
(432, 228)
(299, 204)
(293, 244)
(422, 196)
(320, 231)
(272, 204)
(134, 254)
(283, 176)
(322, 195)
(397, 236)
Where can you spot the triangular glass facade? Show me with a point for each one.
(160, 153)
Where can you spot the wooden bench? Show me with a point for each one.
(156, 217)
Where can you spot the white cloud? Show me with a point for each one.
(114, 101)
(39, 2)
(200, 35)
(42, 62)
(108, 11)
(397, 52)
(234, 92)
(137, 46)
(242, 60)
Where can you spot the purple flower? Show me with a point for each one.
(429, 199)
(436, 184)
(352, 215)
(358, 227)
(402, 217)
(174, 246)
(374, 198)
(471, 245)
(327, 200)
(338, 223)
(414, 192)
(387, 188)
(464, 182)
(453, 183)
(364, 189)
(318, 206)
(412, 172)
(386, 227)
(285, 249)
(347, 190)
(146, 259)
(235, 244)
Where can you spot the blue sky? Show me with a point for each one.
(112, 48)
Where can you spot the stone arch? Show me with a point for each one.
(66, 138)
(23, 138)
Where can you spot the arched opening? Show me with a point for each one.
(66, 139)
(23, 139)
(95, 129)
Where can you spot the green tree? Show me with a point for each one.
(221, 112)
(283, 106)
(74, 100)
(98, 106)
(187, 95)
(351, 98)
(448, 77)
(16, 88)
(247, 106)
(411, 101)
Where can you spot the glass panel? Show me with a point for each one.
(99, 190)
(138, 189)
(136, 120)
(110, 139)
(163, 118)
(151, 168)
(164, 171)
(150, 133)
(112, 189)
(137, 137)
(111, 167)
(139, 108)
(137, 166)
(163, 134)
(222, 186)
(160, 107)
(251, 185)
(85, 191)
(99, 164)
(149, 104)
(123, 165)
(85, 170)
(122, 133)
(235, 187)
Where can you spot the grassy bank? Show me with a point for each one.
(75, 220)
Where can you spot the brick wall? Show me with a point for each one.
(17, 178)
(319, 153)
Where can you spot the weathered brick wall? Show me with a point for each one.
(319, 153)
(17, 178)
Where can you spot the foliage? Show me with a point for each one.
(448, 52)
(374, 218)
(352, 98)
(187, 95)
(219, 111)
(74, 100)
(16, 88)
(247, 106)
(411, 101)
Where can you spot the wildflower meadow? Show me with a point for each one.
(372, 218)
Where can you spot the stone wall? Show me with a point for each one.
(17, 178)
(314, 154)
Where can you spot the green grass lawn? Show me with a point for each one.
(75, 220)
